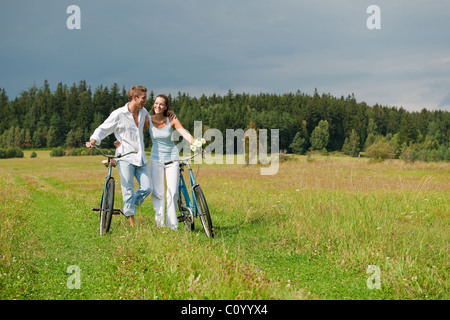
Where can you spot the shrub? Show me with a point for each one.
(33, 155)
(284, 156)
(320, 135)
(57, 152)
(351, 145)
(380, 151)
(298, 144)
(73, 152)
(409, 154)
(11, 152)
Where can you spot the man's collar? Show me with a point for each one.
(125, 108)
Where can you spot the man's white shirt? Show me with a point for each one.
(121, 123)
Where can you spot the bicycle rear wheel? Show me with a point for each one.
(186, 215)
(107, 207)
(203, 212)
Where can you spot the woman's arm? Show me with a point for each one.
(179, 127)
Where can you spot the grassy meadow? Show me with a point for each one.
(309, 232)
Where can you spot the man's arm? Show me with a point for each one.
(172, 116)
(105, 129)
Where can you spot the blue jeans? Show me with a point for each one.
(132, 198)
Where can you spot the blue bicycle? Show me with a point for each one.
(195, 205)
(107, 203)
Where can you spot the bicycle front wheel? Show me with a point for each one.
(107, 207)
(203, 212)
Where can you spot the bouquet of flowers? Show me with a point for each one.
(198, 143)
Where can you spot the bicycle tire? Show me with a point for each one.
(187, 218)
(203, 212)
(107, 207)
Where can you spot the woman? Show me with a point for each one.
(164, 150)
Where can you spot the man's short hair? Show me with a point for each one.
(136, 91)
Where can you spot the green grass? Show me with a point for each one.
(308, 232)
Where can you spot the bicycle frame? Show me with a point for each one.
(108, 176)
(192, 205)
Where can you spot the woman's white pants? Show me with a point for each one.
(157, 171)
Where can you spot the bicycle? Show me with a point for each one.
(107, 203)
(195, 205)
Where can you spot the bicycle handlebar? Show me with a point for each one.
(184, 159)
(111, 156)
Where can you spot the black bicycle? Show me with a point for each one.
(107, 203)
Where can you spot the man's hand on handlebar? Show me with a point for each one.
(90, 144)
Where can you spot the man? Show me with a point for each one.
(127, 124)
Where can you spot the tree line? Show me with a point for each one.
(66, 117)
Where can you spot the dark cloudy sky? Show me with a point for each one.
(252, 46)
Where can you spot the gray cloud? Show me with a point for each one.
(203, 46)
